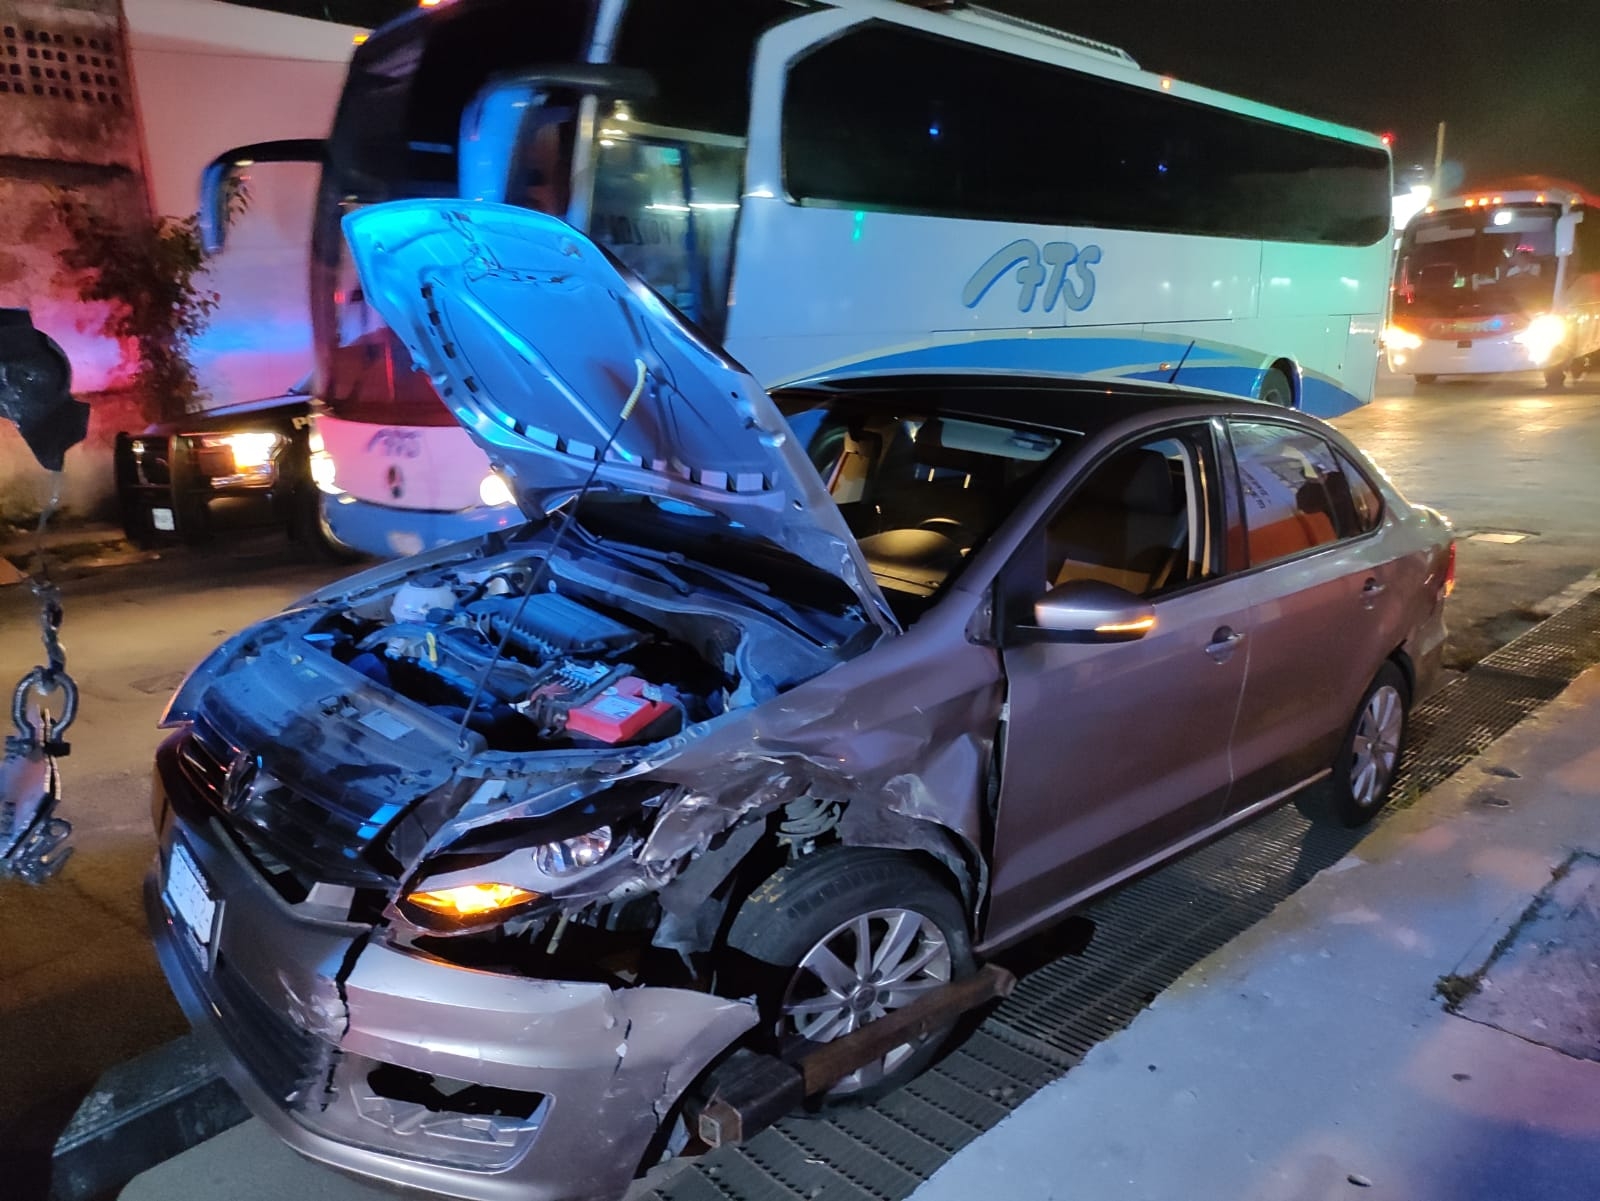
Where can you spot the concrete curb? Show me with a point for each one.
(140, 1114)
(91, 545)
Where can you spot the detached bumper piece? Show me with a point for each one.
(750, 1091)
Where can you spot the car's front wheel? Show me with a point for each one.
(840, 938)
(1369, 759)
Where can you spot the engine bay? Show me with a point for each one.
(529, 667)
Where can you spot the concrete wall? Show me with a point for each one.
(66, 120)
(129, 112)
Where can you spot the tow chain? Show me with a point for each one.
(33, 841)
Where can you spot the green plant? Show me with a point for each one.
(146, 270)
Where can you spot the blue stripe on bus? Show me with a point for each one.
(1052, 355)
(1213, 368)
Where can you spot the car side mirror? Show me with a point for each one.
(1088, 611)
(1567, 234)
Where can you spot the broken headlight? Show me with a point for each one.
(472, 901)
(574, 854)
(507, 869)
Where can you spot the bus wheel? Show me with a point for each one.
(1276, 389)
(308, 529)
(1555, 378)
(1426, 379)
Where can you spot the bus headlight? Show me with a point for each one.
(324, 471)
(1543, 335)
(1396, 338)
(495, 492)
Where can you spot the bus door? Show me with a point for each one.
(641, 213)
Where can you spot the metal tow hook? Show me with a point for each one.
(33, 841)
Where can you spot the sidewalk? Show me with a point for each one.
(67, 545)
(1311, 1058)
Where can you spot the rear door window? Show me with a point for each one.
(1366, 502)
(1296, 494)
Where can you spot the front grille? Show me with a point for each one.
(285, 1060)
(205, 756)
(279, 826)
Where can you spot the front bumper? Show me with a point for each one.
(1475, 356)
(316, 1021)
(389, 531)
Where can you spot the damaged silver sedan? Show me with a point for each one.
(497, 871)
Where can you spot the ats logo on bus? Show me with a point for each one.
(1035, 268)
(396, 443)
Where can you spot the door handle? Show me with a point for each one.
(1370, 592)
(1223, 642)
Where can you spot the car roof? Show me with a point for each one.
(1062, 403)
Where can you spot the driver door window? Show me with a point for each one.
(1141, 520)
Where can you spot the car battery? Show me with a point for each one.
(621, 712)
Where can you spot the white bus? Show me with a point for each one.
(829, 185)
(1499, 279)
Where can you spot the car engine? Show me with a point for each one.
(538, 670)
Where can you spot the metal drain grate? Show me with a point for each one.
(1148, 934)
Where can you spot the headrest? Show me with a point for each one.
(1137, 480)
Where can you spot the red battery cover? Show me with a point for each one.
(619, 712)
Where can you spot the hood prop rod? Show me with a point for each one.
(572, 508)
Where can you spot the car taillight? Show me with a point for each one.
(1450, 570)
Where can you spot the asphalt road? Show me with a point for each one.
(79, 985)
(1497, 458)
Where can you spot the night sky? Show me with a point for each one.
(1516, 81)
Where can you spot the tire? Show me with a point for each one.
(1425, 379)
(1275, 389)
(1555, 378)
(1365, 771)
(800, 925)
(309, 531)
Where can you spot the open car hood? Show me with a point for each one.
(543, 346)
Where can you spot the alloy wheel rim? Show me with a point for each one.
(859, 971)
(1376, 746)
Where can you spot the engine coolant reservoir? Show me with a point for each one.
(417, 598)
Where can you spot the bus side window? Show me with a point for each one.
(1586, 256)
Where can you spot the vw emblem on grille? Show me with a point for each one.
(245, 782)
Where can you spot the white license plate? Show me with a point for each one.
(189, 898)
(162, 519)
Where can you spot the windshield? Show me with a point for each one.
(921, 491)
(395, 137)
(1476, 262)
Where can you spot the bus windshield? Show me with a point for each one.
(1478, 261)
(396, 135)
